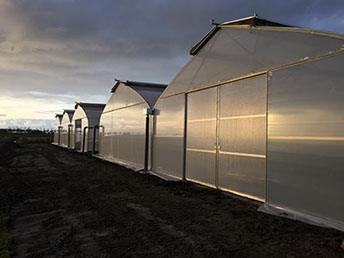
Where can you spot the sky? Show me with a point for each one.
(56, 52)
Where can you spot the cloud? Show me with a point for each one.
(66, 37)
(24, 123)
(55, 52)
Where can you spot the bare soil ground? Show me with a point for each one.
(69, 204)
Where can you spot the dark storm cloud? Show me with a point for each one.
(78, 31)
(60, 49)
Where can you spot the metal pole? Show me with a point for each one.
(218, 146)
(185, 133)
(94, 138)
(69, 126)
(84, 139)
(268, 82)
(147, 142)
(59, 135)
(88, 139)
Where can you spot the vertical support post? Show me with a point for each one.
(94, 138)
(218, 146)
(152, 132)
(59, 135)
(68, 138)
(146, 142)
(88, 139)
(185, 133)
(269, 75)
(84, 138)
(69, 131)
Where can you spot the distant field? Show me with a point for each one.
(9, 142)
(26, 138)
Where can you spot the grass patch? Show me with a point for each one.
(40, 139)
(33, 139)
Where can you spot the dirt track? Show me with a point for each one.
(69, 204)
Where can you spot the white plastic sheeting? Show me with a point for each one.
(167, 138)
(65, 132)
(86, 115)
(295, 161)
(58, 119)
(122, 135)
(233, 52)
(201, 136)
(300, 216)
(123, 123)
(306, 138)
(226, 137)
(242, 137)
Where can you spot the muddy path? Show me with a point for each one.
(69, 204)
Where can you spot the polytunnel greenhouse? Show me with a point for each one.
(85, 126)
(57, 126)
(124, 124)
(65, 129)
(257, 111)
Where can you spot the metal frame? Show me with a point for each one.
(268, 76)
(59, 135)
(84, 138)
(94, 139)
(146, 142)
(115, 109)
(218, 145)
(147, 94)
(217, 148)
(185, 135)
(69, 132)
(306, 60)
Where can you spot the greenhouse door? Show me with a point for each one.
(226, 137)
(242, 137)
(78, 134)
(201, 136)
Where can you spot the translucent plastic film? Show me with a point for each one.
(122, 128)
(122, 97)
(242, 136)
(57, 130)
(235, 52)
(201, 136)
(167, 137)
(306, 138)
(85, 116)
(77, 134)
(64, 131)
(105, 133)
(122, 135)
(79, 122)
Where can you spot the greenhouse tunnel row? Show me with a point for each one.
(257, 111)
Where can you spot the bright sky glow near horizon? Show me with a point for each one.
(56, 52)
